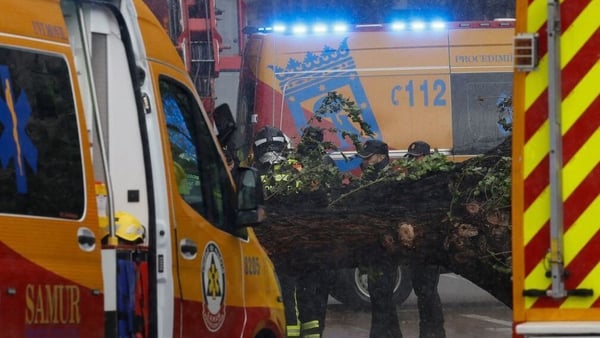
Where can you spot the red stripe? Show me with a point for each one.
(569, 11)
(581, 130)
(537, 248)
(536, 115)
(581, 63)
(536, 182)
(596, 303)
(582, 197)
(542, 41)
(568, 5)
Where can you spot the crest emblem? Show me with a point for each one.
(213, 287)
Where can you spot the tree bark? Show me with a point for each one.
(435, 219)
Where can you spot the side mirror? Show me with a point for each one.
(225, 123)
(250, 208)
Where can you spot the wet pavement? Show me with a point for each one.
(469, 312)
(462, 321)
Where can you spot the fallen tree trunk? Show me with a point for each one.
(437, 219)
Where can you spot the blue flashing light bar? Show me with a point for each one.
(418, 25)
(264, 29)
(340, 27)
(438, 24)
(299, 29)
(399, 26)
(319, 28)
(279, 28)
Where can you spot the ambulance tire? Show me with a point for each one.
(351, 288)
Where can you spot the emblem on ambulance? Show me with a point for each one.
(213, 287)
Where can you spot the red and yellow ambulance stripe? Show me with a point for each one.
(580, 124)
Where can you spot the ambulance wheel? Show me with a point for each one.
(351, 287)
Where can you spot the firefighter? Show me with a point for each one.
(269, 149)
(305, 294)
(313, 286)
(381, 273)
(425, 277)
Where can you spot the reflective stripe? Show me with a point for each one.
(314, 335)
(293, 330)
(280, 139)
(310, 325)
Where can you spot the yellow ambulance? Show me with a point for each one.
(118, 215)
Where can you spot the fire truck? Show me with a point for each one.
(207, 35)
(555, 169)
(119, 215)
(418, 79)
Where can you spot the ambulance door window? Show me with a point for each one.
(202, 178)
(40, 155)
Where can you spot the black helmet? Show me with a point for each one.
(418, 148)
(269, 141)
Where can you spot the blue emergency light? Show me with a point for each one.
(341, 27)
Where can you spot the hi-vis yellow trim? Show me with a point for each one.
(575, 239)
(535, 20)
(536, 149)
(313, 324)
(536, 215)
(580, 98)
(582, 163)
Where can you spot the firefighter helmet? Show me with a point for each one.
(128, 227)
(269, 145)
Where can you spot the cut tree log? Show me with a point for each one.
(435, 219)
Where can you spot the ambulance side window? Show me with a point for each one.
(41, 172)
(202, 178)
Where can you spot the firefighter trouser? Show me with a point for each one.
(384, 318)
(305, 301)
(425, 280)
(312, 293)
(288, 290)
